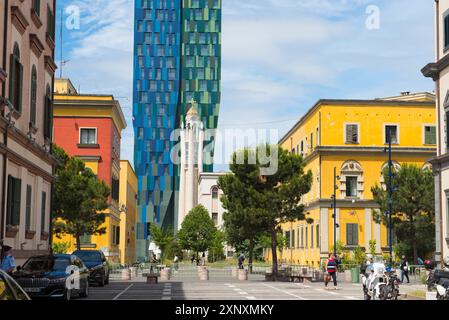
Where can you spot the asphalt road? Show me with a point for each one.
(223, 289)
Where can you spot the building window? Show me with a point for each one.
(13, 202)
(311, 236)
(33, 97)
(43, 210)
(446, 31)
(351, 186)
(51, 24)
(430, 135)
(391, 134)
(215, 218)
(293, 238)
(307, 236)
(15, 79)
(115, 235)
(302, 237)
(447, 131)
(37, 7)
(352, 133)
(88, 136)
(28, 208)
(214, 193)
(311, 142)
(48, 114)
(115, 188)
(287, 239)
(317, 235)
(447, 215)
(352, 234)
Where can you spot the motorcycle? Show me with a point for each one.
(437, 279)
(376, 283)
(392, 286)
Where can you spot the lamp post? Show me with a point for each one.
(334, 206)
(390, 198)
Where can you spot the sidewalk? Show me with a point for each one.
(413, 291)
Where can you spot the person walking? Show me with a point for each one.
(203, 259)
(193, 259)
(241, 260)
(331, 269)
(8, 262)
(175, 262)
(404, 269)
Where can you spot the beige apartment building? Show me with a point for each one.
(27, 67)
(439, 72)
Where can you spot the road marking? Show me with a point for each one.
(230, 286)
(283, 291)
(237, 289)
(120, 294)
(251, 298)
(302, 286)
(166, 298)
(351, 298)
(323, 290)
(242, 292)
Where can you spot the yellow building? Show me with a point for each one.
(350, 135)
(89, 126)
(128, 215)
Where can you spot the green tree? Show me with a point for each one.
(372, 247)
(60, 247)
(272, 197)
(162, 238)
(197, 230)
(78, 199)
(216, 249)
(413, 211)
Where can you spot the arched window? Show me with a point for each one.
(37, 7)
(33, 96)
(214, 193)
(351, 180)
(48, 113)
(15, 79)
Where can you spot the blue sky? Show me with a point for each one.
(279, 56)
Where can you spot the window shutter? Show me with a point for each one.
(17, 197)
(433, 135)
(43, 210)
(28, 208)
(348, 133)
(348, 234)
(355, 230)
(10, 201)
(12, 74)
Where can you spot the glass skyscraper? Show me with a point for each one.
(177, 58)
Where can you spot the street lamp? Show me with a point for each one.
(334, 206)
(390, 195)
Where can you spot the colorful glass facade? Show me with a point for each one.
(177, 58)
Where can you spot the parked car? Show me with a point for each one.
(10, 289)
(54, 276)
(97, 264)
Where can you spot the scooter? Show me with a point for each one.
(438, 279)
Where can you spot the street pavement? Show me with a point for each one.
(223, 289)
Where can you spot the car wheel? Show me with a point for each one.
(67, 295)
(101, 282)
(85, 294)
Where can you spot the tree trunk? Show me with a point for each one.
(415, 251)
(274, 245)
(78, 243)
(251, 254)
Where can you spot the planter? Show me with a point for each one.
(165, 274)
(126, 274)
(234, 272)
(204, 275)
(44, 236)
(11, 231)
(348, 275)
(30, 234)
(243, 275)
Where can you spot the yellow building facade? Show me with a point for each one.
(89, 126)
(350, 135)
(128, 215)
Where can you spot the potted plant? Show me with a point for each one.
(44, 235)
(29, 234)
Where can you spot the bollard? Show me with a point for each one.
(243, 275)
(165, 274)
(235, 272)
(203, 273)
(348, 275)
(126, 274)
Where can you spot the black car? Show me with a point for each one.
(9, 289)
(54, 276)
(97, 264)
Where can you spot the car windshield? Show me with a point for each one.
(46, 264)
(88, 256)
